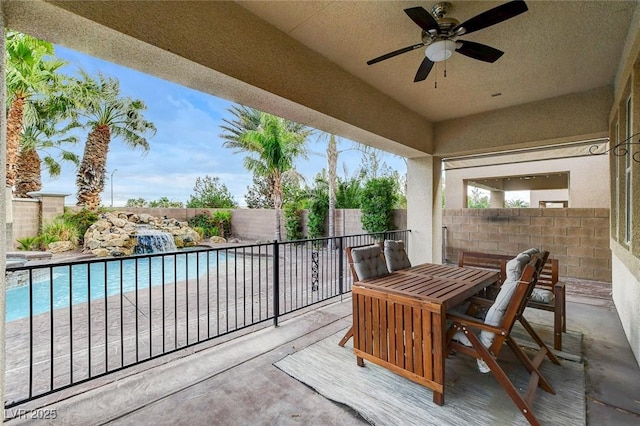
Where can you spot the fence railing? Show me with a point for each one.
(71, 322)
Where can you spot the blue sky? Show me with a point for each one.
(186, 146)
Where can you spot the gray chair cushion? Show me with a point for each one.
(368, 262)
(499, 308)
(507, 289)
(395, 255)
(542, 296)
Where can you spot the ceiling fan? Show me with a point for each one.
(440, 34)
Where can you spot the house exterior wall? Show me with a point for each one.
(536, 197)
(558, 120)
(626, 252)
(577, 237)
(588, 185)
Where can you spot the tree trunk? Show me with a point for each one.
(91, 174)
(29, 173)
(277, 203)
(332, 158)
(14, 131)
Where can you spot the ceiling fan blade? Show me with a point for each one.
(395, 53)
(478, 51)
(493, 16)
(423, 70)
(420, 16)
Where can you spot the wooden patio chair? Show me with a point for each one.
(478, 334)
(377, 267)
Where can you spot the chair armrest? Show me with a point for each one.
(475, 323)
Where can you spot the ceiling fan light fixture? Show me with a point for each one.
(440, 50)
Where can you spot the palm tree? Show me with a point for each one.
(348, 190)
(40, 134)
(332, 166)
(108, 115)
(31, 72)
(271, 147)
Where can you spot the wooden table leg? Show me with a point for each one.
(439, 333)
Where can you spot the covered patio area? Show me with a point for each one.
(570, 73)
(236, 382)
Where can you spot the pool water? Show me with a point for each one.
(71, 283)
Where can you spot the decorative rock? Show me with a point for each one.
(217, 240)
(60, 246)
(100, 252)
(115, 234)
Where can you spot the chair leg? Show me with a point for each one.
(348, 335)
(538, 340)
(557, 329)
(559, 317)
(503, 379)
(532, 366)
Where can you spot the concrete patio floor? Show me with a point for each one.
(235, 382)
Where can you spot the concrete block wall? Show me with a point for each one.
(577, 237)
(255, 224)
(26, 220)
(246, 224)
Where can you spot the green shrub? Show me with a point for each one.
(218, 224)
(199, 230)
(223, 221)
(377, 201)
(60, 229)
(45, 240)
(205, 222)
(28, 243)
(293, 221)
(318, 207)
(82, 220)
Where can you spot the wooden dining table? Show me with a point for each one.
(399, 319)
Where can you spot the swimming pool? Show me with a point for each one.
(78, 283)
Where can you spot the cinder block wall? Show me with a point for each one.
(26, 220)
(577, 237)
(259, 224)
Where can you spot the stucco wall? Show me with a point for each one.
(535, 124)
(626, 259)
(578, 238)
(535, 197)
(588, 179)
(626, 294)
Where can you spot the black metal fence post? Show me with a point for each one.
(340, 267)
(276, 282)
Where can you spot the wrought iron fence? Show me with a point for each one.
(71, 322)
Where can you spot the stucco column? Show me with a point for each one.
(5, 199)
(496, 200)
(424, 209)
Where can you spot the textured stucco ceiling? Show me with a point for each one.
(553, 49)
